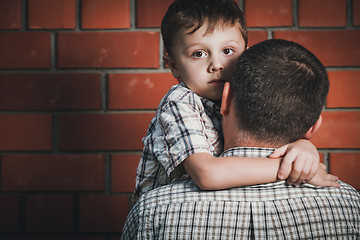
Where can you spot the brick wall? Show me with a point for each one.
(81, 79)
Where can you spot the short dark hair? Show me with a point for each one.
(192, 14)
(279, 89)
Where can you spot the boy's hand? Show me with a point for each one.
(300, 163)
(323, 179)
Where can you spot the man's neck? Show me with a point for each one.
(236, 137)
(240, 139)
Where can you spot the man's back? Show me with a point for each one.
(273, 210)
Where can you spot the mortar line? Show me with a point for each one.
(132, 15)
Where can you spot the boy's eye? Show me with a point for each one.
(199, 54)
(228, 51)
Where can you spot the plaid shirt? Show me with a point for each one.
(184, 124)
(267, 211)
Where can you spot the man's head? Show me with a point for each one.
(278, 91)
(203, 39)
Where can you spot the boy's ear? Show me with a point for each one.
(172, 65)
(226, 99)
(312, 131)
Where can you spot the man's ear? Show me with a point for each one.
(172, 65)
(226, 99)
(312, 131)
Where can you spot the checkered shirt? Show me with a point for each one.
(268, 211)
(184, 124)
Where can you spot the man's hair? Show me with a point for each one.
(279, 89)
(192, 14)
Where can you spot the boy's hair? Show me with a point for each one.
(192, 14)
(279, 89)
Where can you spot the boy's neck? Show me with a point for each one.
(217, 102)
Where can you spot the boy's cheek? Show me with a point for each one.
(231, 67)
(234, 60)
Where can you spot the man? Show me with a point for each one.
(276, 96)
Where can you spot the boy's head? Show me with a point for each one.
(193, 14)
(203, 39)
(279, 89)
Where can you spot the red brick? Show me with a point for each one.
(50, 91)
(333, 47)
(123, 172)
(339, 130)
(138, 91)
(108, 50)
(356, 12)
(150, 13)
(327, 13)
(25, 132)
(25, 50)
(346, 166)
(103, 213)
(103, 131)
(344, 89)
(54, 14)
(104, 14)
(10, 14)
(49, 213)
(53, 173)
(10, 212)
(256, 37)
(260, 13)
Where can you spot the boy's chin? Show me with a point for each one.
(215, 99)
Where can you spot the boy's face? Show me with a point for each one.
(204, 62)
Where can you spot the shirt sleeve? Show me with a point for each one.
(182, 133)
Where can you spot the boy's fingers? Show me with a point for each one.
(296, 171)
(333, 178)
(304, 175)
(334, 184)
(286, 165)
(279, 152)
(313, 170)
(333, 181)
(283, 173)
(284, 170)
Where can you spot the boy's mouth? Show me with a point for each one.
(217, 81)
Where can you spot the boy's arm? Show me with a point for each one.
(214, 173)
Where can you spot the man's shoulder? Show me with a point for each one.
(347, 191)
(187, 191)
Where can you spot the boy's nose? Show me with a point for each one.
(215, 65)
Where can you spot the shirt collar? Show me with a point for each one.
(247, 152)
(211, 105)
(208, 104)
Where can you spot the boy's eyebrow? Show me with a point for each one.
(200, 43)
(192, 45)
(235, 41)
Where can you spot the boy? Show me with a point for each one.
(203, 40)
